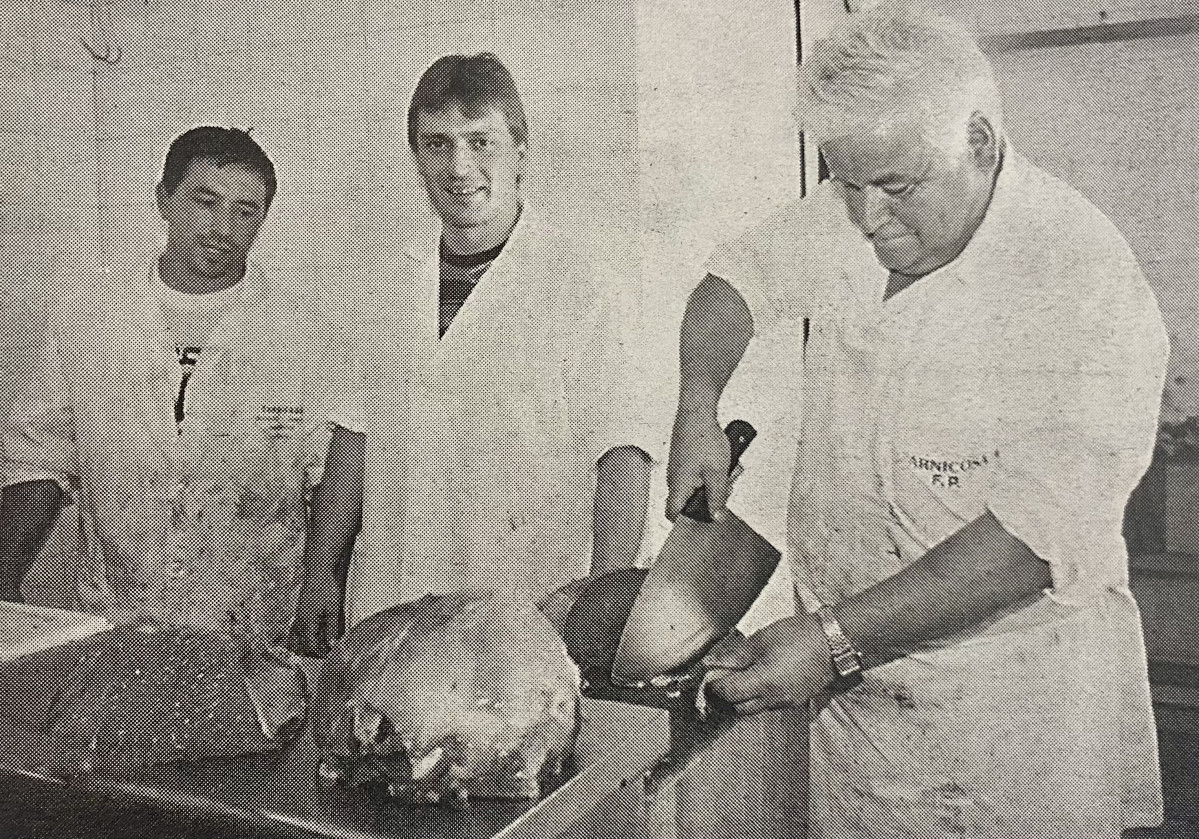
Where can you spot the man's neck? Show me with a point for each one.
(897, 282)
(176, 276)
(468, 241)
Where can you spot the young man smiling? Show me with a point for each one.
(525, 475)
(185, 404)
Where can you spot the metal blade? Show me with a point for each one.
(706, 578)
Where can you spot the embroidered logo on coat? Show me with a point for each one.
(951, 472)
(280, 421)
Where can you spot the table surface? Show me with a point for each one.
(278, 794)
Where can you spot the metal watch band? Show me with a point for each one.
(847, 661)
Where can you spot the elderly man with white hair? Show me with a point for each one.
(982, 365)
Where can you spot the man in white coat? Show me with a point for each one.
(185, 403)
(982, 366)
(504, 355)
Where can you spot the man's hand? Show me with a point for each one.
(786, 663)
(699, 456)
(319, 613)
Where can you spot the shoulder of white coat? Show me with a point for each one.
(550, 240)
(79, 296)
(291, 307)
(417, 250)
(571, 263)
(798, 232)
(1081, 264)
(1074, 232)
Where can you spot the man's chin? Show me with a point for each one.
(463, 213)
(895, 259)
(217, 271)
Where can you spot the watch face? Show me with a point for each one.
(848, 667)
(848, 681)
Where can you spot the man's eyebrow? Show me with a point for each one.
(441, 135)
(912, 177)
(244, 202)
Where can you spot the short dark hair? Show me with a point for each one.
(477, 83)
(224, 145)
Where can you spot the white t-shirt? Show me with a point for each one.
(189, 319)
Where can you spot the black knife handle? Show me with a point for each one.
(740, 434)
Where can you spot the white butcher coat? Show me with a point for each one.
(1023, 379)
(481, 462)
(205, 516)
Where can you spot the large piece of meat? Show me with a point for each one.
(462, 695)
(144, 696)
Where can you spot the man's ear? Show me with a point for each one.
(161, 196)
(522, 156)
(983, 142)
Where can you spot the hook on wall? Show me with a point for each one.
(110, 55)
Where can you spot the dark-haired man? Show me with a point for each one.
(525, 476)
(184, 404)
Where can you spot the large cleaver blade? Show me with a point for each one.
(706, 577)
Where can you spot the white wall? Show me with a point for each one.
(1119, 121)
(658, 127)
(47, 186)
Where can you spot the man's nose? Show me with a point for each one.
(221, 224)
(875, 209)
(463, 160)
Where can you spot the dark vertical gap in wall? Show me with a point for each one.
(803, 146)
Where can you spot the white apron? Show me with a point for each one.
(1038, 725)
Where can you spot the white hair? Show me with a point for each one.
(898, 60)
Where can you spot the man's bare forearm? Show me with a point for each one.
(967, 580)
(336, 515)
(621, 507)
(27, 513)
(717, 327)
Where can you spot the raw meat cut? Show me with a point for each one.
(463, 695)
(141, 696)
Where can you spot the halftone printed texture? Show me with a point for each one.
(139, 699)
(254, 64)
(471, 694)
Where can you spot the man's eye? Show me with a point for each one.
(205, 200)
(435, 145)
(482, 143)
(898, 190)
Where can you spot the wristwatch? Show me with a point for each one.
(847, 661)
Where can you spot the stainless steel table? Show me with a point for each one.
(277, 795)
